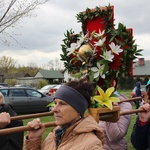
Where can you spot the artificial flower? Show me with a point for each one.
(67, 75)
(100, 42)
(107, 56)
(115, 48)
(82, 39)
(98, 71)
(72, 48)
(100, 34)
(105, 98)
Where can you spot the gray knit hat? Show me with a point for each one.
(73, 98)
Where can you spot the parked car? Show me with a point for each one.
(23, 85)
(26, 100)
(3, 85)
(46, 88)
(143, 91)
(53, 90)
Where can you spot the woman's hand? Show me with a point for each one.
(4, 119)
(38, 127)
(144, 116)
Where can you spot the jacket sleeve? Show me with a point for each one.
(139, 135)
(15, 140)
(34, 144)
(94, 146)
(118, 130)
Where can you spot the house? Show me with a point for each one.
(51, 75)
(17, 75)
(141, 68)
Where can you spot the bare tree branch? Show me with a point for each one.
(14, 10)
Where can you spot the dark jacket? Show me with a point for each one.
(11, 141)
(138, 89)
(140, 136)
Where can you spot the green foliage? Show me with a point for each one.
(145, 80)
(125, 83)
(42, 83)
(89, 14)
(11, 82)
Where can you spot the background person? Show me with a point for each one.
(138, 93)
(140, 136)
(73, 131)
(115, 132)
(11, 141)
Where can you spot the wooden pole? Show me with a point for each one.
(132, 111)
(51, 113)
(31, 116)
(23, 128)
(130, 99)
(52, 124)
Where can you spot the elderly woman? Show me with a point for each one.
(73, 131)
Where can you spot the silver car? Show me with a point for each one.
(26, 100)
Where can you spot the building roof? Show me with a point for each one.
(141, 70)
(17, 75)
(53, 74)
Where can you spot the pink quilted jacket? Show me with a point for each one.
(115, 132)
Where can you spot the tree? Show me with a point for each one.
(13, 10)
(7, 64)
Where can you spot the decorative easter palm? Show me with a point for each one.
(100, 51)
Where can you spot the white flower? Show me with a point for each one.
(72, 48)
(67, 76)
(115, 48)
(100, 42)
(100, 34)
(107, 56)
(81, 39)
(98, 70)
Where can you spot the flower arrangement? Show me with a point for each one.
(104, 99)
(99, 52)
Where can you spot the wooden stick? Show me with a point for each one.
(51, 113)
(23, 128)
(31, 116)
(132, 111)
(51, 124)
(130, 99)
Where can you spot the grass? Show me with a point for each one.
(50, 119)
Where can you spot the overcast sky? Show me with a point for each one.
(42, 35)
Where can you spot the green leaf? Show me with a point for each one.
(51, 104)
